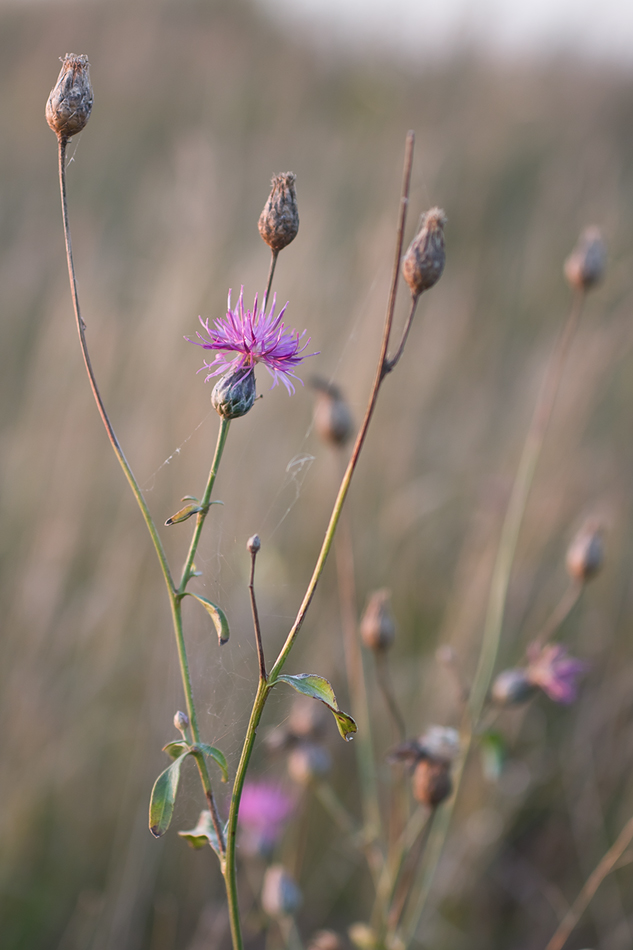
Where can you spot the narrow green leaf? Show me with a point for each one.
(183, 513)
(319, 688)
(494, 753)
(190, 498)
(203, 834)
(176, 748)
(161, 805)
(215, 754)
(217, 615)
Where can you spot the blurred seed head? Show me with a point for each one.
(326, 940)
(363, 936)
(234, 394)
(281, 896)
(585, 554)
(377, 627)
(181, 721)
(332, 417)
(307, 718)
(440, 743)
(432, 783)
(279, 221)
(512, 688)
(585, 266)
(308, 762)
(423, 264)
(253, 544)
(70, 102)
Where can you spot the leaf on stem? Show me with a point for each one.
(161, 805)
(319, 688)
(215, 754)
(217, 615)
(183, 513)
(494, 753)
(203, 834)
(176, 748)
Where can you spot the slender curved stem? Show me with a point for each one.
(360, 438)
(81, 330)
(565, 606)
(204, 505)
(174, 598)
(498, 595)
(606, 864)
(273, 261)
(258, 633)
(393, 361)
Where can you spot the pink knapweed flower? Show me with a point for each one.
(555, 671)
(255, 337)
(264, 810)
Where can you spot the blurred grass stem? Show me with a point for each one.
(606, 864)
(565, 606)
(498, 597)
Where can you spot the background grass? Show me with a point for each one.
(197, 104)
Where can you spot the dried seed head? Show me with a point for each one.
(279, 221)
(281, 896)
(423, 264)
(440, 743)
(512, 687)
(307, 719)
(585, 266)
(378, 628)
(585, 554)
(234, 394)
(332, 418)
(70, 102)
(432, 782)
(253, 544)
(326, 940)
(181, 721)
(308, 762)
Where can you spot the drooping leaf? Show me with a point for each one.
(176, 748)
(161, 804)
(183, 513)
(217, 615)
(215, 754)
(203, 834)
(493, 754)
(319, 688)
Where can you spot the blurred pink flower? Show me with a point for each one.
(555, 671)
(264, 810)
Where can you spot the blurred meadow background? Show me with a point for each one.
(197, 104)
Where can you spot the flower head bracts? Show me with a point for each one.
(555, 671)
(255, 337)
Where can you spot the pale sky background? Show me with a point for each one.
(600, 29)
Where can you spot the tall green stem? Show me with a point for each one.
(204, 504)
(497, 600)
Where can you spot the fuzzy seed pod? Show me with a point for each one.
(281, 896)
(332, 418)
(308, 762)
(423, 264)
(585, 266)
(234, 394)
(512, 687)
(70, 102)
(585, 554)
(378, 628)
(181, 721)
(279, 221)
(326, 940)
(432, 782)
(253, 544)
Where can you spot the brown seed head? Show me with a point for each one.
(585, 554)
(512, 688)
(70, 102)
(378, 628)
(308, 762)
(423, 264)
(332, 418)
(585, 266)
(432, 782)
(253, 544)
(279, 221)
